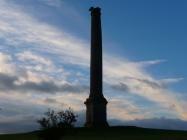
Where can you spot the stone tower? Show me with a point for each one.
(96, 115)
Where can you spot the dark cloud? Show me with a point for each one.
(28, 123)
(124, 86)
(121, 87)
(25, 124)
(148, 82)
(81, 118)
(158, 123)
(8, 83)
(54, 101)
(50, 101)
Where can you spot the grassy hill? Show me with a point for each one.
(113, 133)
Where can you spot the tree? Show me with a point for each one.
(66, 118)
(54, 123)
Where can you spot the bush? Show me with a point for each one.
(53, 124)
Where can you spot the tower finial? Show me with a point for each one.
(91, 8)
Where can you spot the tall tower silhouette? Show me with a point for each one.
(96, 115)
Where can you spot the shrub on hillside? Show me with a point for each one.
(53, 123)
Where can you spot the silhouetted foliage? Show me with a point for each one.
(53, 124)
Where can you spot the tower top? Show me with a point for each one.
(95, 10)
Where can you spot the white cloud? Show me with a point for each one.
(55, 3)
(150, 62)
(5, 65)
(171, 80)
(29, 56)
(35, 62)
(24, 29)
(125, 110)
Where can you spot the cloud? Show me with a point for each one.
(171, 80)
(55, 3)
(141, 83)
(147, 82)
(158, 123)
(49, 100)
(121, 86)
(10, 83)
(22, 80)
(27, 30)
(150, 62)
(28, 56)
(6, 65)
(7, 82)
(18, 124)
(125, 110)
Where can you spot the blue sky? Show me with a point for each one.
(45, 51)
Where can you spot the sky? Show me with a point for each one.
(45, 55)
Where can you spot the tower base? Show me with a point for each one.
(96, 112)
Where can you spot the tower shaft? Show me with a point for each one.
(96, 54)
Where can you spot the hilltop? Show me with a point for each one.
(112, 133)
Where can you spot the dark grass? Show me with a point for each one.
(112, 133)
(25, 136)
